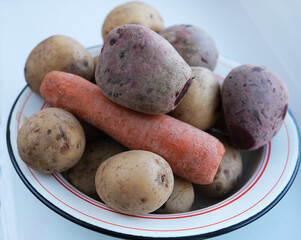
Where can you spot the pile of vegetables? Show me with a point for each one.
(139, 126)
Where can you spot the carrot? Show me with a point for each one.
(192, 154)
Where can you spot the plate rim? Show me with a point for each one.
(129, 236)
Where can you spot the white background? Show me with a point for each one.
(263, 32)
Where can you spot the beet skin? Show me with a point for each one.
(140, 70)
(255, 102)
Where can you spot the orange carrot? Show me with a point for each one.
(192, 154)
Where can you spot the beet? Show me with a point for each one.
(255, 102)
(140, 70)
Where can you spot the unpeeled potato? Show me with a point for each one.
(181, 198)
(82, 175)
(228, 174)
(134, 182)
(200, 106)
(133, 12)
(60, 53)
(95, 61)
(51, 140)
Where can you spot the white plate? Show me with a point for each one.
(268, 174)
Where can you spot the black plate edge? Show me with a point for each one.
(128, 236)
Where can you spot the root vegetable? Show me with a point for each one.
(192, 153)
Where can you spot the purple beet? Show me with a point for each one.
(140, 70)
(255, 102)
(193, 44)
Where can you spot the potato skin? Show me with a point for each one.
(51, 140)
(140, 70)
(134, 182)
(181, 198)
(133, 13)
(95, 62)
(228, 174)
(82, 175)
(193, 44)
(59, 53)
(201, 104)
(255, 103)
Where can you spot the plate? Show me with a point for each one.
(268, 174)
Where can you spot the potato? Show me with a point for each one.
(59, 53)
(51, 140)
(82, 175)
(133, 12)
(134, 182)
(140, 70)
(95, 61)
(181, 198)
(228, 174)
(193, 44)
(255, 103)
(201, 105)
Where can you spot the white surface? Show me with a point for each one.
(261, 32)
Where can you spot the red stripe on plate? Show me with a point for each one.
(182, 215)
